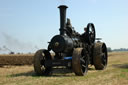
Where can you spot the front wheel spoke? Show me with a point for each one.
(42, 62)
(83, 65)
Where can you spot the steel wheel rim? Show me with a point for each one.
(83, 61)
(104, 55)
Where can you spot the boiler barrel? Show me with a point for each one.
(60, 43)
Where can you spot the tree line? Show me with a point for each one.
(120, 49)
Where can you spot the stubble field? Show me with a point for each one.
(115, 74)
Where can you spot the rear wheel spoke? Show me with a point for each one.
(82, 61)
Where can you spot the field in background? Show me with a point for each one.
(16, 59)
(115, 74)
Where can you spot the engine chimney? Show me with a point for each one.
(62, 18)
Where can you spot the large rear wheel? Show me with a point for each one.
(39, 62)
(80, 61)
(100, 57)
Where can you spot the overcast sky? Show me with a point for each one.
(27, 25)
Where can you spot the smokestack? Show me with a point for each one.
(62, 18)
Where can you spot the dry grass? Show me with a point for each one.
(115, 74)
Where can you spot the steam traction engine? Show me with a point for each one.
(71, 50)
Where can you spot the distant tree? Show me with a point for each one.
(29, 53)
(18, 53)
(11, 53)
(109, 49)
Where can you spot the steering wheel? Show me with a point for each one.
(91, 33)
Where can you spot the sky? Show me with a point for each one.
(28, 25)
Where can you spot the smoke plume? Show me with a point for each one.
(16, 45)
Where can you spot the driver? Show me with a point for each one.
(69, 26)
(85, 35)
(70, 29)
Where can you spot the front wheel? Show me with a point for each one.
(39, 62)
